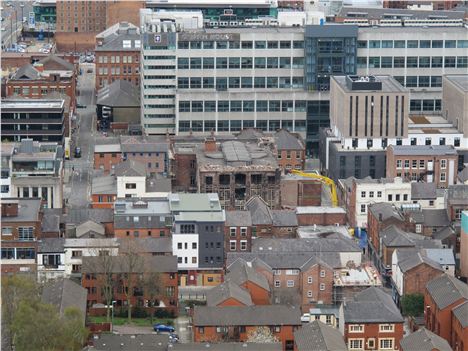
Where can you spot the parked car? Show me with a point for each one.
(161, 328)
(305, 318)
(80, 106)
(77, 152)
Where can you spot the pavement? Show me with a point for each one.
(13, 21)
(78, 189)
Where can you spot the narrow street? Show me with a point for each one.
(81, 169)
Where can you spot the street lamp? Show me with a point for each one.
(112, 320)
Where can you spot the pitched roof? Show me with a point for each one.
(372, 305)
(51, 245)
(284, 218)
(227, 346)
(28, 210)
(51, 220)
(423, 191)
(64, 293)
(130, 168)
(463, 174)
(441, 256)
(259, 210)
(392, 236)
(157, 264)
(457, 194)
(337, 243)
(238, 219)
(80, 215)
(56, 61)
(225, 291)
(318, 336)
(424, 340)
(461, 313)
(412, 261)
(120, 93)
(104, 185)
(146, 143)
(286, 141)
(265, 315)
(26, 72)
(443, 233)
(446, 290)
(90, 227)
(130, 342)
(385, 209)
(436, 217)
(241, 271)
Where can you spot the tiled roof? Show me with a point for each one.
(259, 210)
(241, 271)
(386, 210)
(461, 313)
(457, 194)
(446, 290)
(424, 340)
(227, 346)
(64, 293)
(286, 141)
(225, 291)
(317, 336)
(120, 93)
(265, 315)
(51, 245)
(415, 260)
(372, 305)
(130, 168)
(423, 191)
(238, 219)
(392, 236)
(80, 215)
(338, 243)
(130, 342)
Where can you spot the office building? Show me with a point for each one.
(40, 120)
(83, 16)
(35, 170)
(455, 101)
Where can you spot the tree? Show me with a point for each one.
(412, 305)
(261, 335)
(131, 266)
(74, 332)
(15, 288)
(152, 287)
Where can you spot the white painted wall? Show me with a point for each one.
(185, 250)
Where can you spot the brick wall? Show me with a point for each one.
(322, 218)
(415, 280)
(106, 160)
(142, 232)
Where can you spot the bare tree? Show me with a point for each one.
(131, 267)
(152, 288)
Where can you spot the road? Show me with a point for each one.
(13, 21)
(78, 189)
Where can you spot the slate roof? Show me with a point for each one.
(443, 233)
(130, 168)
(259, 210)
(112, 38)
(441, 256)
(392, 236)
(51, 245)
(265, 315)
(238, 219)
(457, 194)
(461, 313)
(424, 340)
(28, 210)
(386, 210)
(90, 227)
(372, 305)
(227, 290)
(227, 346)
(120, 93)
(436, 217)
(249, 134)
(80, 215)
(463, 174)
(337, 243)
(423, 191)
(318, 336)
(161, 264)
(415, 260)
(135, 143)
(446, 290)
(284, 218)
(144, 222)
(423, 150)
(130, 342)
(26, 72)
(54, 59)
(104, 185)
(241, 271)
(64, 293)
(51, 220)
(286, 141)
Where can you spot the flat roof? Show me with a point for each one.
(154, 207)
(423, 150)
(460, 80)
(31, 103)
(107, 148)
(389, 84)
(318, 209)
(200, 217)
(430, 124)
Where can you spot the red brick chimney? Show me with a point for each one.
(10, 208)
(210, 144)
(39, 67)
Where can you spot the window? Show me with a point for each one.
(443, 176)
(379, 194)
(363, 208)
(443, 164)
(398, 164)
(386, 327)
(277, 283)
(309, 280)
(26, 233)
(232, 245)
(7, 231)
(243, 245)
(406, 163)
(201, 330)
(356, 328)
(422, 163)
(371, 194)
(232, 231)
(292, 272)
(371, 343)
(418, 228)
(322, 286)
(386, 344)
(243, 231)
(309, 293)
(290, 283)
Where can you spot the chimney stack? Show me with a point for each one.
(210, 144)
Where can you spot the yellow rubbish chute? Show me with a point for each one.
(324, 180)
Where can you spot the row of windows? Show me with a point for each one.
(116, 70)
(245, 44)
(415, 164)
(238, 125)
(413, 62)
(116, 59)
(233, 245)
(420, 81)
(223, 83)
(359, 344)
(412, 44)
(243, 106)
(239, 62)
(18, 253)
(425, 105)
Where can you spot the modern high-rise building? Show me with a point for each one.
(464, 245)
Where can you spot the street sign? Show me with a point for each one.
(32, 21)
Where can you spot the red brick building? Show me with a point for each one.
(459, 339)
(300, 191)
(428, 163)
(442, 297)
(107, 156)
(103, 192)
(163, 269)
(21, 229)
(310, 215)
(238, 231)
(371, 321)
(118, 54)
(290, 150)
(233, 323)
(228, 294)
